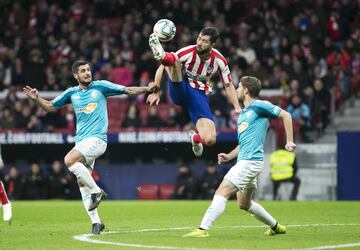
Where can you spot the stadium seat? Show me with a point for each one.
(164, 111)
(144, 112)
(117, 107)
(166, 191)
(278, 126)
(148, 192)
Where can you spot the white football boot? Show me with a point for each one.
(157, 49)
(7, 212)
(197, 148)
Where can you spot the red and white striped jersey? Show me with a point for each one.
(198, 72)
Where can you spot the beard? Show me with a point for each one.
(241, 103)
(83, 81)
(202, 52)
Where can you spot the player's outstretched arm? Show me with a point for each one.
(231, 93)
(33, 94)
(288, 125)
(154, 98)
(222, 157)
(141, 90)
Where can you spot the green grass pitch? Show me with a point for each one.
(161, 224)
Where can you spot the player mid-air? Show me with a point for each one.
(189, 71)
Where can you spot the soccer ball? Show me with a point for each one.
(164, 29)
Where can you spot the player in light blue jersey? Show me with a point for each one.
(89, 103)
(241, 179)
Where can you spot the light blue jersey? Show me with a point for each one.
(90, 107)
(253, 123)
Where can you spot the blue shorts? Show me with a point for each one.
(193, 100)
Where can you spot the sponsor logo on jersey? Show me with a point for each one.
(195, 77)
(88, 109)
(243, 126)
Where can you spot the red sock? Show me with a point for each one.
(169, 59)
(198, 139)
(3, 197)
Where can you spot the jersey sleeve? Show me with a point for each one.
(225, 74)
(109, 88)
(62, 99)
(224, 69)
(267, 109)
(185, 53)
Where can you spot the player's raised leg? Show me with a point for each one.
(206, 135)
(157, 49)
(84, 152)
(75, 162)
(174, 71)
(207, 131)
(165, 58)
(91, 148)
(6, 205)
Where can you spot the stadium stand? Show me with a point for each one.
(283, 47)
(287, 44)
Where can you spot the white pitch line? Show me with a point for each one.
(86, 237)
(332, 246)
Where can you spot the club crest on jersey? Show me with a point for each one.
(243, 126)
(209, 69)
(88, 109)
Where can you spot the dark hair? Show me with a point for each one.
(212, 32)
(253, 85)
(76, 65)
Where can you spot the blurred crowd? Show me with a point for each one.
(309, 49)
(190, 186)
(38, 181)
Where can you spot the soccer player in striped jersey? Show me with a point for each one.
(89, 104)
(241, 179)
(6, 204)
(189, 71)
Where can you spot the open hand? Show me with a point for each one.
(153, 98)
(32, 93)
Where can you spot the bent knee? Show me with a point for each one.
(243, 206)
(210, 140)
(68, 162)
(174, 72)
